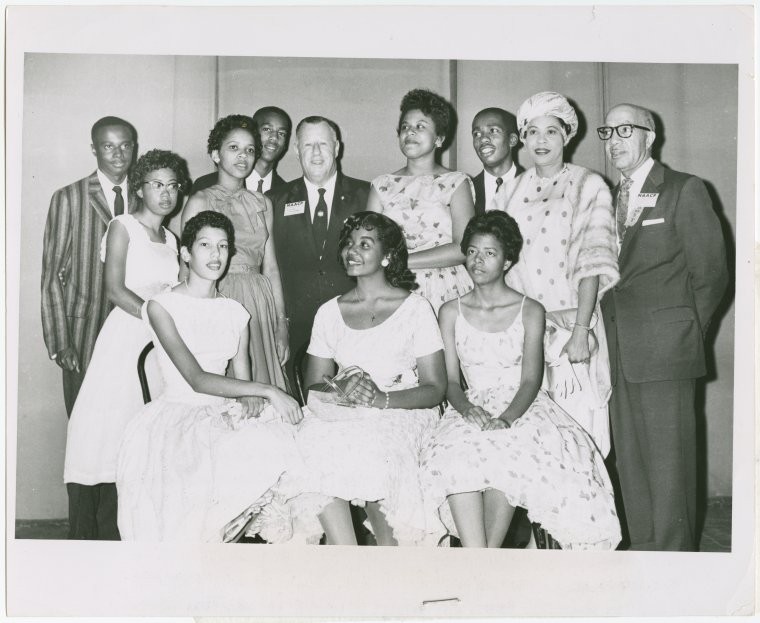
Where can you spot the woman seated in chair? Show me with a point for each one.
(361, 439)
(193, 459)
(504, 443)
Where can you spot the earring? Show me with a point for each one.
(384, 262)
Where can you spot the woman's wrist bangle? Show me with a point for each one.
(387, 400)
(581, 326)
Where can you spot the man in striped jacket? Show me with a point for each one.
(74, 304)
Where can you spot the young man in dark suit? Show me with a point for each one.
(673, 275)
(308, 215)
(274, 128)
(74, 302)
(494, 136)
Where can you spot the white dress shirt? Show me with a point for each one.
(489, 185)
(638, 178)
(108, 185)
(313, 193)
(253, 181)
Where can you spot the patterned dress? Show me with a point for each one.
(568, 228)
(110, 394)
(244, 281)
(189, 463)
(421, 205)
(544, 462)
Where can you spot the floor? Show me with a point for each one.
(716, 535)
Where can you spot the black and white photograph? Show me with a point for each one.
(382, 314)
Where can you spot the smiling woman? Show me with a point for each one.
(568, 261)
(431, 202)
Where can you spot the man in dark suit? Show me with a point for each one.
(274, 127)
(673, 274)
(74, 302)
(308, 215)
(494, 136)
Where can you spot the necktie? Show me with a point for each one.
(260, 187)
(494, 203)
(319, 224)
(622, 206)
(118, 202)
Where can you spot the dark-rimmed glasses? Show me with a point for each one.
(172, 187)
(624, 130)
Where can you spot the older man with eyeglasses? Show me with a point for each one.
(673, 275)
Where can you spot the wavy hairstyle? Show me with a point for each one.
(431, 105)
(391, 239)
(156, 159)
(502, 227)
(208, 218)
(227, 124)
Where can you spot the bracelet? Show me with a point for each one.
(387, 400)
(581, 326)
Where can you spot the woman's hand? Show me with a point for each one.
(281, 342)
(476, 416)
(497, 423)
(365, 391)
(285, 405)
(252, 406)
(577, 347)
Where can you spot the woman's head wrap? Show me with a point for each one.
(547, 103)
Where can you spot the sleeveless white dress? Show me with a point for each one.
(545, 462)
(188, 463)
(110, 393)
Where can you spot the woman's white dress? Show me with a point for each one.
(110, 394)
(364, 454)
(188, 463)
(545, 462)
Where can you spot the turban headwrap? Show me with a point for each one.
(547, 103)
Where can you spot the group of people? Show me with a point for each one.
(465, 346)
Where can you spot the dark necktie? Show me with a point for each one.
(622, 206)
(260, 187)
(499, 182)
(118, 202)
(319, 224)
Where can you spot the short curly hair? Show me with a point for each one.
(208, 218)
(154, 160)
(391, 239)
(432, 105)
(227, 124)
(502, 227)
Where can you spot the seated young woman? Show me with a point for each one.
(193, 459)
(503, 442)
(366, 449)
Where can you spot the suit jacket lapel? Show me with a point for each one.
(480, 192)
(303, 221)
(98, 199)
(651, 185)
(341, 208)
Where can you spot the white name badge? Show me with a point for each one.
(652, 221)
(297, 207)
(648, 200)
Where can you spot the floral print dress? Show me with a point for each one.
(421, 205)
(545, 462)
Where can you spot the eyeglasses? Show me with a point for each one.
(624, 130)
(172, 187)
